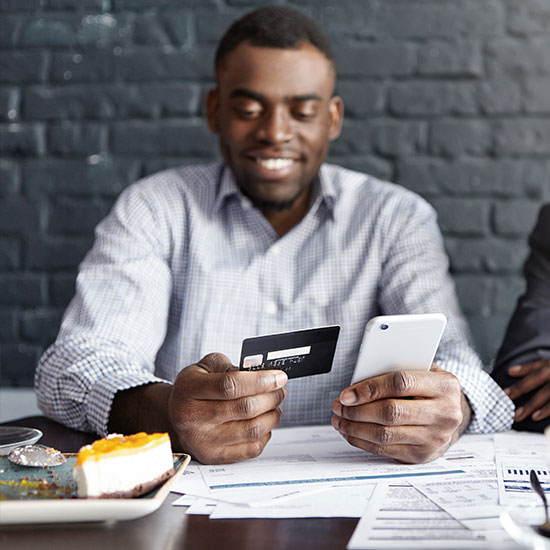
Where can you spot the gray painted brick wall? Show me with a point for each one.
(450, 98)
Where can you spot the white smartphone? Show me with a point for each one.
(399, 342)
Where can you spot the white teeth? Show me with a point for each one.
(274, 164)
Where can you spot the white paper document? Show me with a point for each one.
(201, 507)
(186, 500)
(513, 478)
(471, 497)
(516, 454)
(193, 486)
(190, 482)
(298, 462)
(313, 456)
(470, 449)
(341, 502)
(454, 502)
(521, 444)
(400, 516)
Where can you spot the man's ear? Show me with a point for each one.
(212, 110)
(336, 113)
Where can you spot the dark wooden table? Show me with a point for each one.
(167, 528)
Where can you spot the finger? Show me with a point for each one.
(409, 454)
(216, 362)
(245, 408)
(382, 435)
(537, 401)
(234, 437)
(428, 384)
(518, 370)
(402, 412)
(248, 431)
(528, 383)
(542, 413)
(198, 383)
(389, 412)
(522, 370)
(233, 453)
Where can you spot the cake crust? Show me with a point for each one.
(139, 490)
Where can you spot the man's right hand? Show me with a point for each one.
(222, 415)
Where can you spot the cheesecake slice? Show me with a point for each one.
(123, 466)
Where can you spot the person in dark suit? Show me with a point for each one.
(522, 366)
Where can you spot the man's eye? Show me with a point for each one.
(247, 113)
(304, 114)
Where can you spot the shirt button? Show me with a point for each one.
(275, 249)
(245, 203)
(271, 308)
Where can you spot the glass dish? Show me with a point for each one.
(13, 436)
(519, 521)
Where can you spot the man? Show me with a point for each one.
(192, 261)
(522, 365)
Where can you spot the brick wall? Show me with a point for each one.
(450, 98)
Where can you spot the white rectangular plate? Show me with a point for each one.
(86, 510)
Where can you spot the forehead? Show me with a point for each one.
(272, 71)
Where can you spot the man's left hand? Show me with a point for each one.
(411, 416)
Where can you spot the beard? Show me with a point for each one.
(266, 203)
(271, 205)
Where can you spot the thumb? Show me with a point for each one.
(216, 362)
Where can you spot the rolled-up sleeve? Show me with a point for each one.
(116, 322)
(416, 279)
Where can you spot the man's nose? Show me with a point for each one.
(276, 126)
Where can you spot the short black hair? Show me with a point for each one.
(274, 27)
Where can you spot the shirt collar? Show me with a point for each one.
(324, 191)
(227, 187)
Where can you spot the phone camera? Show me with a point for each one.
(384, 327)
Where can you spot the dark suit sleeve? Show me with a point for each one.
(527, 337)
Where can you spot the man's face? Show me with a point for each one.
(275, 114)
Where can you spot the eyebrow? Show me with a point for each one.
(242, 92)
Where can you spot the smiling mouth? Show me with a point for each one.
(275, 163)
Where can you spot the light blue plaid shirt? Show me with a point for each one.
(185, 265)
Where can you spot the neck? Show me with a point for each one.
(284, 220)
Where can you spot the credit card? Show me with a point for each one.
(298, 353)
